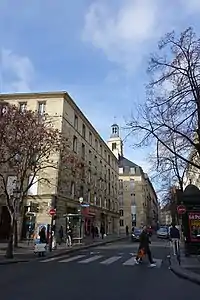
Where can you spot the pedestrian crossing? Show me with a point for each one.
(100, 259)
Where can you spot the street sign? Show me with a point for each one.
(181, 209)
(52, 211)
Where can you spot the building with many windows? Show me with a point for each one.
(137, 198)
(96, 185)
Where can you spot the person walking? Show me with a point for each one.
(102, 231)
(144, 246)
(174, 237)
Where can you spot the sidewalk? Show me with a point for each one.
(188, 269)
(24, 252)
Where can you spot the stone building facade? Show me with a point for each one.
(96, 184)
(137, 198)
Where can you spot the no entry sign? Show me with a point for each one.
(181, 209)
(52, 211)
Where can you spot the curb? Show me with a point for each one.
(182, 272)
(15, 261)
(185, 274)
(62, 252)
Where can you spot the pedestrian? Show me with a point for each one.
(102, 231)
(174, 237)
(61, 235)
(144, 246)
(127, 230)
(43, 239)
(69, 237)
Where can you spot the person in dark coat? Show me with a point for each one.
(43, 239)
(144, 244)
(42, 235)
(102, 231)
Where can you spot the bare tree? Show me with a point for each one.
(30, 146)
(172, 109)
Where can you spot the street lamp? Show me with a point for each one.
(80, 201)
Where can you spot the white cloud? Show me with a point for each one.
(122, 34)
(17, 72)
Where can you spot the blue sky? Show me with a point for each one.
(97, 50)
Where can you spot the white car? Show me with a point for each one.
(163, 232)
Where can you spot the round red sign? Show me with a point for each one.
(52, 211)
(181, 209)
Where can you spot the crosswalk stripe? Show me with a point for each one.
(130, 262)
(53, 258)
(88, 260)
(110, 260)
(158, 262)
(71, 258)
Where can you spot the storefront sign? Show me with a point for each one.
(194, 226)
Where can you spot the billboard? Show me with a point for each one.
(194, 226)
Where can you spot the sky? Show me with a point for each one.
(96, 50)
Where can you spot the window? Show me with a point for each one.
(11, 184)
(95, 199)
(72, 190)
(89, 176)
(96, 145)
(114, 146)
(75, 144)
(105, 155)
(121, 223)
(132, 184)
(132, 171)
(76, 122)
(33, 182)
(81, 191)
(109, 159)
(90, 138)
(120, 184)
(41, 108)
(121, 170)
(83, 131)
(121, 212)
(22, 106)
(83, 151)
(101, 149)
(89, 196)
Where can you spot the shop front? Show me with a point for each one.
(89, 215)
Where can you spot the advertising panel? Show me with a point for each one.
(194, 226)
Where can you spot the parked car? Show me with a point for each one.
(163, 232)
(135, 235)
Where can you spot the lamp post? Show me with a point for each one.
(80, 201)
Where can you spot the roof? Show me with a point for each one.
(126, 163)
(191, 190)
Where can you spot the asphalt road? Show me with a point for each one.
(106, 272)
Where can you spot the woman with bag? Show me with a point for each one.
(144, 248)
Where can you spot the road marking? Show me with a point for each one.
(158, 262)
(54, 258)
(90, 259)
(130, 262)
(71, 259)
(110, 260)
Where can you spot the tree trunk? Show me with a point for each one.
(9, 250)
(15, 233)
